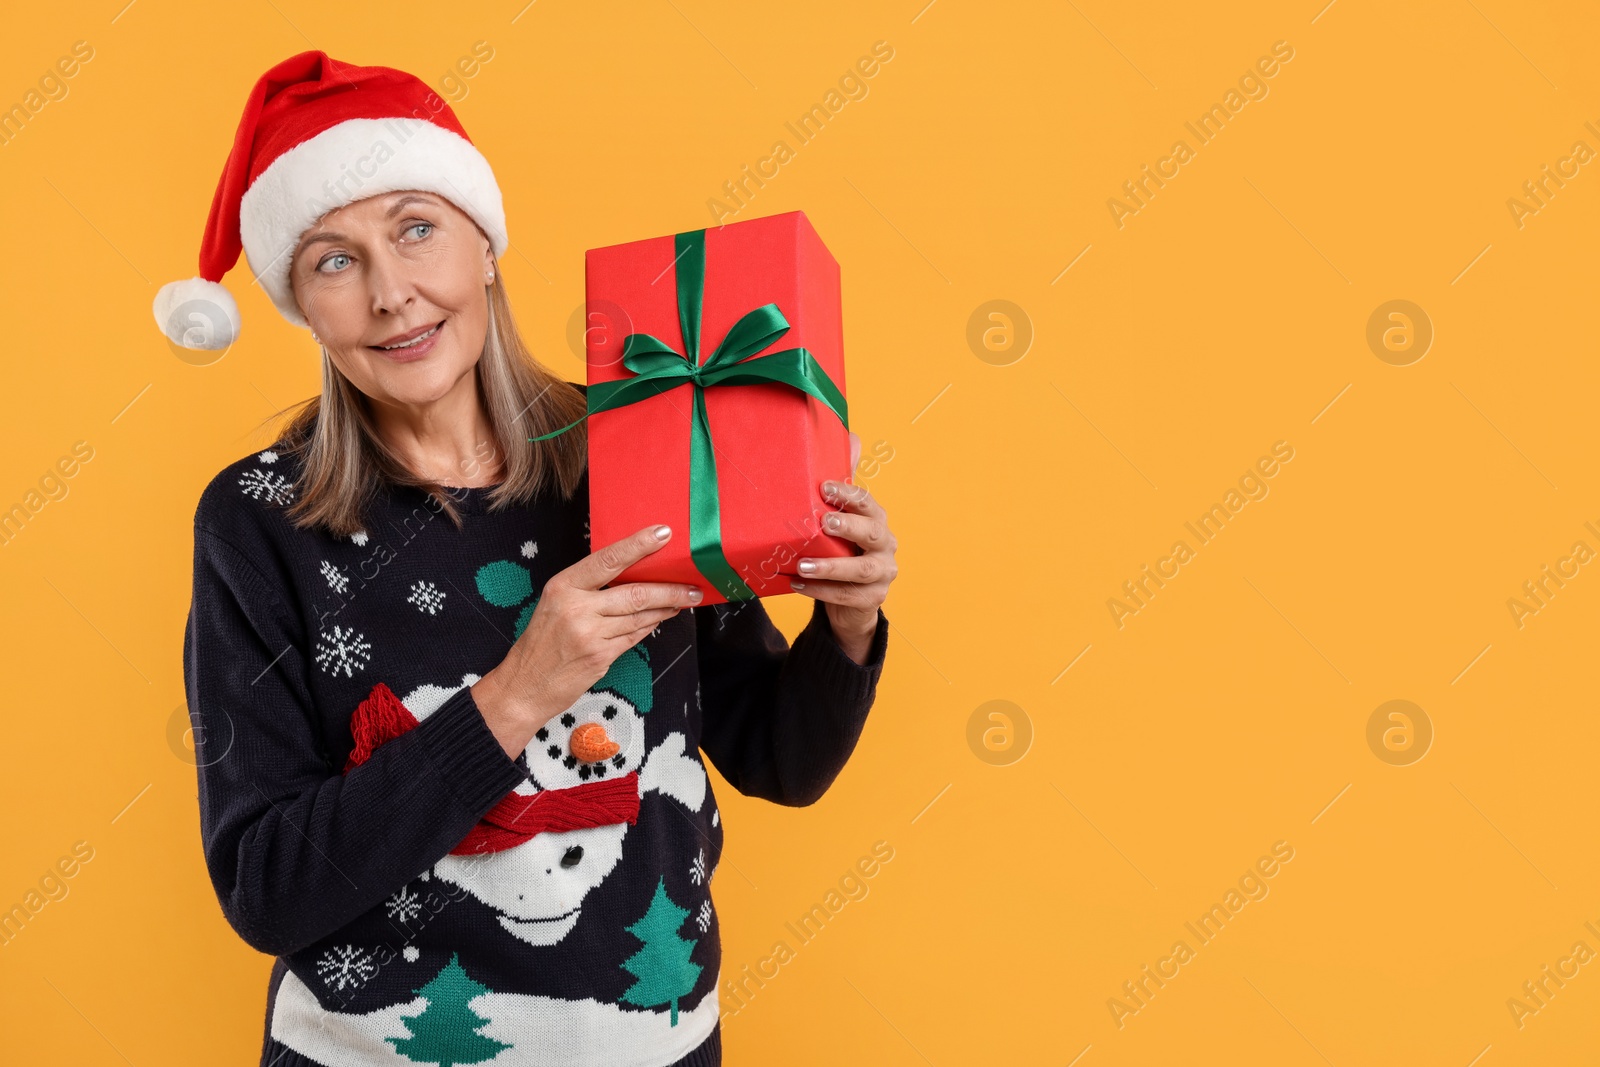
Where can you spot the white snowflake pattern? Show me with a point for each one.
(336, 579)
(704, 918)
(404, 905)
(343, 650)
(427, 597)
(359, 537)
(697, 870)
(530, 549)
(411, 953)
(344, 966)
(269, 456)
(260, 484)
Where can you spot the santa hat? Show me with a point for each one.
(318, 134)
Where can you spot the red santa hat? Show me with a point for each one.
(318, 134)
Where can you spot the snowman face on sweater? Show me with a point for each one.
(555, 762)
(538, 887)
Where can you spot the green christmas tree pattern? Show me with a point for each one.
(446, 1033)
(662, 966)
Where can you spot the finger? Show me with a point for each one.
(854, 498)
(631, 597)
(625, 626)
(868, 531)
(604, 564)
(866, 568)
(855, 451)
(847, 594)
(639, 633)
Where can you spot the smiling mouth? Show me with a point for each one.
(548, 918)
(541, 931)
(403, 345)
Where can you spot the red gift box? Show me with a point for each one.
(772, 444)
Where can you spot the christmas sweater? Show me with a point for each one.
(431, 900)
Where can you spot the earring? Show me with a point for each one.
(315, 338)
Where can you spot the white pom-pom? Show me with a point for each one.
(196, 313)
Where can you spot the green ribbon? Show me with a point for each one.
(657, 367)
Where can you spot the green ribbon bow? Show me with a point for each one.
(657, 367)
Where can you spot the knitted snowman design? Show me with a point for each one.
(538, 887)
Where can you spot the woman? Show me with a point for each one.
(447, 775)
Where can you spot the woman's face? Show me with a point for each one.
(385, 270)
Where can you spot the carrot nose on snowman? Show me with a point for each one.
(590, 744)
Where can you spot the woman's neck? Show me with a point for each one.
(448, 441)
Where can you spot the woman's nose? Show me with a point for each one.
(390, 283)
(590, 743)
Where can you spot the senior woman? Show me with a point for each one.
(448, 774)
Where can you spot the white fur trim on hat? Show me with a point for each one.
(354, 160)
(197, 313)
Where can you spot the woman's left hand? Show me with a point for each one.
(852, 587)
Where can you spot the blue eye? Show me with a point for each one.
(427, 225)
(330, 259)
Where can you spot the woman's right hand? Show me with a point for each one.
(577, 630)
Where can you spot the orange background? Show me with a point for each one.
(1025, 487)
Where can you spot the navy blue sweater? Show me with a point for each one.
(414, 921)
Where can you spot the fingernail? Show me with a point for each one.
(833, 522)
(796, 585)
(662, 532)
(829, 488)
(808, 566)
(694, 594)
